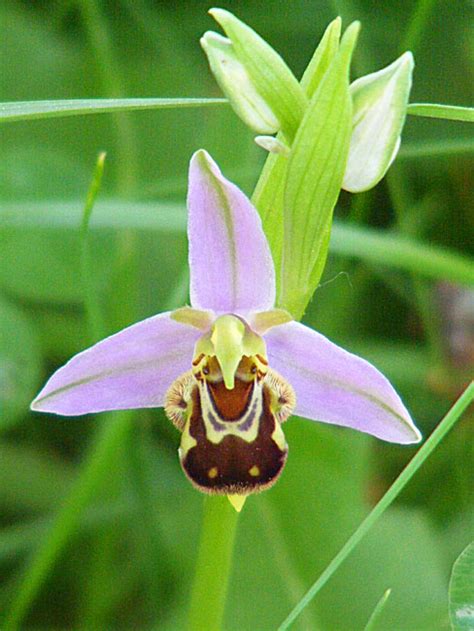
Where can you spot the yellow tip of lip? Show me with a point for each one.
(229, 381)
(237, 501)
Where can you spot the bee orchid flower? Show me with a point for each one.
(231, 368)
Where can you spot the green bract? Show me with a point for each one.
(380, 104)
(263, 67)
(315, 171)
(236, 83)
(322, 58)
(272, 145)
(268, 196)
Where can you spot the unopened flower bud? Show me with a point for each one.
(380, 104)
(237, 85)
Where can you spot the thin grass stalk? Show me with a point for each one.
(393, 492)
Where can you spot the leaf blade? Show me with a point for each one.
(33, 110)
(399, 252)
(446, 112)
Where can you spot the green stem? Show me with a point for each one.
(96, 326)
(213, 565)
(393, 492)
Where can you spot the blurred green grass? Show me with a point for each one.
(130, 560)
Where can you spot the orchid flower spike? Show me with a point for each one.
(230, 369)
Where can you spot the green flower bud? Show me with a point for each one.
(380, 104)
(237, 85)
(260, 86)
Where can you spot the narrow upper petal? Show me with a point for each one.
(229, 257)
(131, 369)
(334, 386)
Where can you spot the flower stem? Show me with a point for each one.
(213, 565)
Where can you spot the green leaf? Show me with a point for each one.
(399, 252)
(315, 172)
(268, 200)
(461, 591)
(272, 78)
(92, 303)
(24, 537)
(66, 522)
(448, 112)
(31, 110)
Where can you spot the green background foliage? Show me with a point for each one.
(122, 553)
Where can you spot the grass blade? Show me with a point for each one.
(436, 148)
(33, 110)
(393, 492)
(370, 245)
(399, 252)
(91, 303)
(448, 112)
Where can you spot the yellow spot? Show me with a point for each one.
(237, 501)
(212, 473)
(254, 471)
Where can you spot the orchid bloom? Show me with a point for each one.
(231, 368)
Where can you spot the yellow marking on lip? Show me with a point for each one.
(237, 501)
(278, 437)
(187, 441)
(254, 471)
(212, 473)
